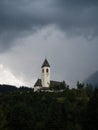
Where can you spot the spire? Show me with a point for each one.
(45, 64)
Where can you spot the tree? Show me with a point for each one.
(21, 118)
(89, 90)
(91, 117)
(59, 86)
(80, 86)
(3, 121)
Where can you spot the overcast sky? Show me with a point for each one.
(63, 31)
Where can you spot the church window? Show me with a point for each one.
(47, 70)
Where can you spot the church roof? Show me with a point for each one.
(38, 83)
(52, 83)
(45, 64)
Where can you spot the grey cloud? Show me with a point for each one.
(78, 2)
(64, 31)
(20, 17)
(71, 59)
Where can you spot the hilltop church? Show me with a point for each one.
(44, 83)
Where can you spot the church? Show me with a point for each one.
(44, 83)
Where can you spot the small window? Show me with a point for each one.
(42, 70)
(47, 70)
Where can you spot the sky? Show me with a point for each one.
(63, 31)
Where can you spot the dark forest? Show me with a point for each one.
(72, 109)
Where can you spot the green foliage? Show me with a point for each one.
(72, 109)
(3, 121)
(80, 86)
(91, 115)
(9, 88)
(89, 90)
(20, 116)
(59, 86)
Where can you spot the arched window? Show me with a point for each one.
(42, 70)
(47, 70)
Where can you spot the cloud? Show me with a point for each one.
(18, 18)
(64, 31)
(6, 77)
(78, 2)
(71, 58)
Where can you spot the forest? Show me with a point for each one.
(72, 109)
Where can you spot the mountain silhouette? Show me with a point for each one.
(92, 79)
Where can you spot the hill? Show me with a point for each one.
(10, 88)
(69, 110)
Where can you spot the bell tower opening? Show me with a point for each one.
(47, 70)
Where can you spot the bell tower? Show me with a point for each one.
(45, 79)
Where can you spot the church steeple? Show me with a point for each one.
(45, 64)
(45, 80)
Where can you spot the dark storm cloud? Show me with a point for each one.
(18, 17)
(23, 14)
(79, 15)
(78, 2)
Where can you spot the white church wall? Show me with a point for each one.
(36, 88)
(45, 76)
